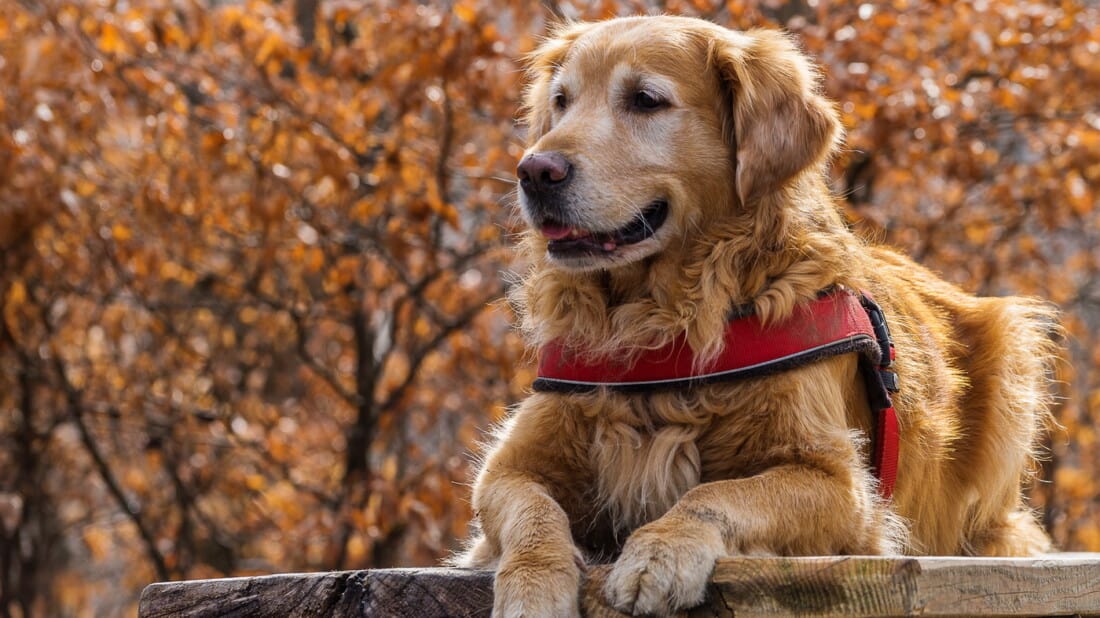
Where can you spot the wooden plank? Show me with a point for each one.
(939, 586)
(1058, 584)
(384, 592)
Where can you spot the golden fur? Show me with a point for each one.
(663, 484)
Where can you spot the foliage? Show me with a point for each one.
(249, 252)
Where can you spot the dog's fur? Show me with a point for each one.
(663, 484)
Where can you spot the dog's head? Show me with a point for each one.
(643, 129)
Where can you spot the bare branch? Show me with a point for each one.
(128, 506)
(417, 358)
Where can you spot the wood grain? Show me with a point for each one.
(1058, 584)
(384, 592)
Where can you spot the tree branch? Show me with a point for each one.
(418, 357)
(73, 398)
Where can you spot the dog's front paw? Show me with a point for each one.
(660, 573)
(538, 585)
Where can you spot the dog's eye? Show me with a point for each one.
(645, 102)
(560, 101)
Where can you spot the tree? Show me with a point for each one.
(251, 302)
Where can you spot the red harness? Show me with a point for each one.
(838, 322)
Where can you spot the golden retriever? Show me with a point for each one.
(675, 171)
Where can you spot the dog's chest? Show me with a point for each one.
(643, 463)
(648, 450)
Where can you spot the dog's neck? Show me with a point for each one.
(773, 258)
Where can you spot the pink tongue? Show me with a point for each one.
(555, 232)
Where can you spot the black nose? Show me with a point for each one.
(542, 172)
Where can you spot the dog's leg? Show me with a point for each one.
(1018, 534)
(538, 461)
(539, 572)
(790, 509)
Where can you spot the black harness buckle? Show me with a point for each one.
(885, 343)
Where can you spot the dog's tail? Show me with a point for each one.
(1016, 390)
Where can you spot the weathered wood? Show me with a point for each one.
(1058, 584)
(382, 592)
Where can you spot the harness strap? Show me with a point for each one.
(880, 383)
(838, 322)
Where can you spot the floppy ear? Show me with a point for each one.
(541, 66)
(781, 125)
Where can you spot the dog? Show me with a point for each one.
(675, 174)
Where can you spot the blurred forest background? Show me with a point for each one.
(250, 253)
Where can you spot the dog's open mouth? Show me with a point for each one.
(566, 240)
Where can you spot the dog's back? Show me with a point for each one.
(976, 401)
